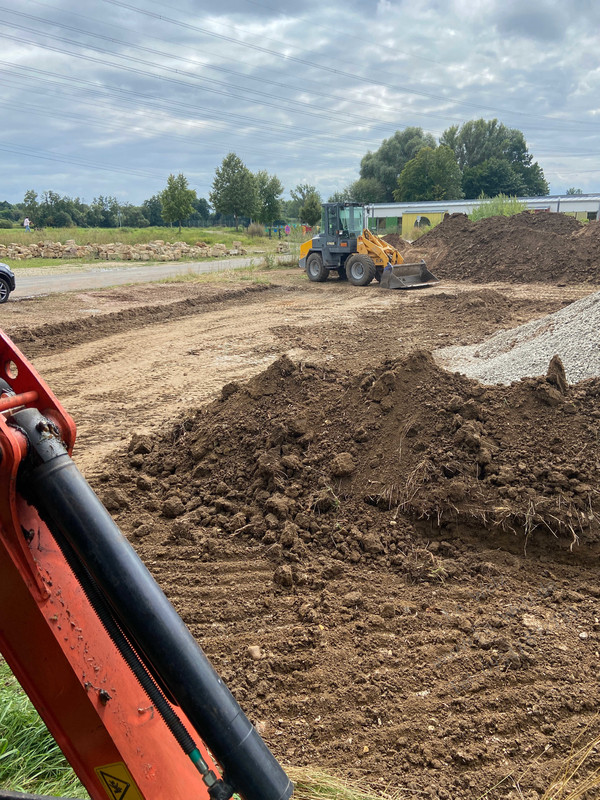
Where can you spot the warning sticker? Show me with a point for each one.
(117, 782)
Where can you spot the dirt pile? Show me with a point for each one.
(524, 248)
(305, 458)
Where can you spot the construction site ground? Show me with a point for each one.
(244, 436)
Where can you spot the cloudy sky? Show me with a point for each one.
(108, 97)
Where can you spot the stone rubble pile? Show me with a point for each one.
(573, 334)
(152, 251)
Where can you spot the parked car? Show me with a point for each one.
(7, 282)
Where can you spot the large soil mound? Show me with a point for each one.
(523, 248)
(341, 546)
(308, 447)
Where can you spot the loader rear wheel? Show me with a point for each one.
(360, 270)
(315, 269)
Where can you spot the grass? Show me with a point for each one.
(30, 759)
(130, 235)
(500, 206)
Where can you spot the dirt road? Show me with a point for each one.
(35, 282)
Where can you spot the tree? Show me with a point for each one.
(103, 212)
(367, 190)
(30, 204)
(269, 189)
(432, 175)
(491, 178)
(479, 141)
(234, 189)
(201, 214)
(152, 210)
(299, 196)
(177, 200)
(573, 190)
(386, 163)
(310, 212)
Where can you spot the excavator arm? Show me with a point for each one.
(116, 676)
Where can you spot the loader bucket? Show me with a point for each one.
(407, 276)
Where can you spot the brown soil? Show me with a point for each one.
(523, 248)
(414, 554)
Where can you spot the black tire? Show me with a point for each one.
(342, 273)
(315, 269)
(4, 290)
(360, 270)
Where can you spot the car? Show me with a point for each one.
(7, 282)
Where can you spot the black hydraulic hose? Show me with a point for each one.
(66, 502)
(123, 645)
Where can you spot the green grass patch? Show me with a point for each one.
(133, 236)
(30, 759)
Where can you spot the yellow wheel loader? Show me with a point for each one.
(348, 247)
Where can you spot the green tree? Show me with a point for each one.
(480, 141)
(386, 163)
(103, 212)
(269, 189)
(367, 190)
(133, 216)
(234, 189)
(30, 205)
(177, 200)
(310, 211)
(491, 178)
(152, 210)
(432, 175)
(299, 195)
(341, 196)
(573, 190)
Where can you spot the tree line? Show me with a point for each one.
(481, 158)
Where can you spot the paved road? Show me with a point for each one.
(98, 277)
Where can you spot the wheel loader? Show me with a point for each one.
(346, 246)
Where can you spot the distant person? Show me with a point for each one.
(26, 225)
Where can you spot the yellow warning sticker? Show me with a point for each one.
(117, 782)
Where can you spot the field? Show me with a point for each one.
(413, 554)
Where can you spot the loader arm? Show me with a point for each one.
(381, 252)
(112, 670)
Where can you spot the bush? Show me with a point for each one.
(500, 206)
(255, 229)
(5, 223)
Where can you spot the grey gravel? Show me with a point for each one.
(573, 333)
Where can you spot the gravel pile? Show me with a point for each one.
(573, 333)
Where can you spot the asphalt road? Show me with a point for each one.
(98, 277)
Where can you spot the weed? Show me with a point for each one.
(500, 206)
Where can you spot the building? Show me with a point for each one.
(405, 217)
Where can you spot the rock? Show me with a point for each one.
(556, 374)
(283, 576)
(173, 507)
(342, 465)
(255, 652)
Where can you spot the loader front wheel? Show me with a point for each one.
(315, 269)
(360, 270)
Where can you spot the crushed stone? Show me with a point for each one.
(573, 333)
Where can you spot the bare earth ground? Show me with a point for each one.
(374, 663)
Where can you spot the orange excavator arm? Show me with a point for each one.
(116, 676)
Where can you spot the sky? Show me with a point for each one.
(110, 97)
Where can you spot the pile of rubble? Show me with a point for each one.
(157, 250)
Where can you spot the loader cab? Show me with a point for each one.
(343, 220)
